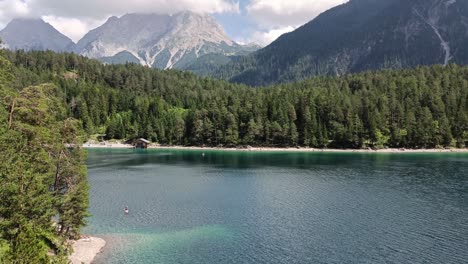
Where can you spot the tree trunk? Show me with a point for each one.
(10, 119)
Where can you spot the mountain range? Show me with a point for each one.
(159, 41)
(358, 36)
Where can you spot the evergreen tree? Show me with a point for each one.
(35, 140)
(421, 107)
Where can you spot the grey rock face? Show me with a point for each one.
(161, 41)
(34, 34)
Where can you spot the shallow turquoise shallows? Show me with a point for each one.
(217, 207)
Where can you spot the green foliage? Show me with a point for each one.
(381, 140)
(3, 250)
(423, 107)
(41, 178)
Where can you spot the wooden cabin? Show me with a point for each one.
(141, 143)
(101, 137)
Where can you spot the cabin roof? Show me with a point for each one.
(143, 140)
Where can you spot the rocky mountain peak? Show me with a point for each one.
(155, 40)
(34, 34)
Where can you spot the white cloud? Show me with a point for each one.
(263, 38)
(276, 17)
(98, 9)
(10, 9)
(72, 27)
(281, 13)
(74, 18)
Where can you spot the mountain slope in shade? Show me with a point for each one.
(206, 64)
(160, 41)
(361, 35)
(34, 34)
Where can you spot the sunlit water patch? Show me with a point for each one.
(160, 247)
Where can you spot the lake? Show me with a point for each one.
(243, 207)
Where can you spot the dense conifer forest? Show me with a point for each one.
(425, 107)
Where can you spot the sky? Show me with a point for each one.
(245, 21)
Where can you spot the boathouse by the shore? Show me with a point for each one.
(141, 143)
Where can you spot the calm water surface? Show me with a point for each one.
(241, 207)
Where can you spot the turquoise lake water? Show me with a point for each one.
(243, 207)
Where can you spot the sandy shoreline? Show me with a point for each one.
(267, 149)
(107, 145)
(86, 249)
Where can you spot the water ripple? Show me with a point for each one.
(279, 208)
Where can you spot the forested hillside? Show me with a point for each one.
(420, 108)
(43, 183)
(361, 35)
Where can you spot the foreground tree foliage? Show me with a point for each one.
(44, 189)
(424, 107)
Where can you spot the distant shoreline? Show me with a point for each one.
(272, 149)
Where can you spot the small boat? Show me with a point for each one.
(126, 210)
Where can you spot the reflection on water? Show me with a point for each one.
(243, 207)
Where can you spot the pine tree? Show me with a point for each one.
(41, 177)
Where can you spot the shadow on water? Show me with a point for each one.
(248, 160)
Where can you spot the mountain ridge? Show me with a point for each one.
(160, 41)
(154, 40)
(34, 34)
(361, 35)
